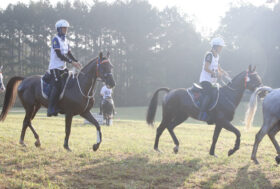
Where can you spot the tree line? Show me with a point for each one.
(149, 48)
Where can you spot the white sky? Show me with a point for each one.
(206, 14)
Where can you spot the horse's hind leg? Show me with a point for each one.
(179, 120)
(271, 135)
(269, 122)
(35, 110)
(26, 123)
(160, 129)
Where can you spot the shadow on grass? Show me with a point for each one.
(245, 179)
(133, 172)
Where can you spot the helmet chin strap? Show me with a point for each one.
(60, 34)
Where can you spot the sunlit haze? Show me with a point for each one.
(206, 15)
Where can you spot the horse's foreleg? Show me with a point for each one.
(88, 116)
(68, 122)
(216, 134)
(228, 126)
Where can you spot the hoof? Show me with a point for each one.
(214, 155)
(157, 150)
(37, 144)
(176, 149)
(95, 147)
(67, 148)
(230, 152)
(255, 161)
(277, 159)
(22, 143)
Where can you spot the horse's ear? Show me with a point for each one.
(254, 69)
(250, 68)
(108, 54)
(101, 55)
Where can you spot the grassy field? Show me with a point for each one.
(126, 158)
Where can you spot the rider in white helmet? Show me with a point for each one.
(211, 70)
(60, 54)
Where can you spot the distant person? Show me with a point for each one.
(60, 54)
(106, 93)
(211, 70)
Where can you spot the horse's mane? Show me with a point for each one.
(92, 60)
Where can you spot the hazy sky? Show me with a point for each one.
(205, 13)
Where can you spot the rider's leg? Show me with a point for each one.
(207, 88)
(54, 96)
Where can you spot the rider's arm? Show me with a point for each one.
(62, 57)
(56, 47)
(222, 72)
(208, 60)
(70, 55)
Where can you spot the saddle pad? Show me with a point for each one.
(197, 98)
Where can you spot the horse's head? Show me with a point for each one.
(105, 70)
(252, 79)
(2, 86)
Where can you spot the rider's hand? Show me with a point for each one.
(77, 65)
(220, 74)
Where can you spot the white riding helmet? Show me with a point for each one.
(62, 23)
(217, 41)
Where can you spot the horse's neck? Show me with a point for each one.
(235, 90)
(87, 78)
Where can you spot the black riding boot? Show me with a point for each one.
(203, 115)
(52, 102)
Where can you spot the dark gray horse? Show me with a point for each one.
(76, 99)
(271, 118)
(178, 106)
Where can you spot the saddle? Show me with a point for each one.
(46, 85)
(196, 94)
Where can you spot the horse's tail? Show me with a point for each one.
(10, 96)
(250, 113)
(153, 106)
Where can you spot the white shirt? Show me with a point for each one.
(56, 62)
(214, 66)
(105, 92)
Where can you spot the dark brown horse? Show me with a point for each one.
(177, 106)
(76, 99)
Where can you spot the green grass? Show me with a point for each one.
(126, 158)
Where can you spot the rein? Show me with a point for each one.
(86, 96)
(245, 80)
